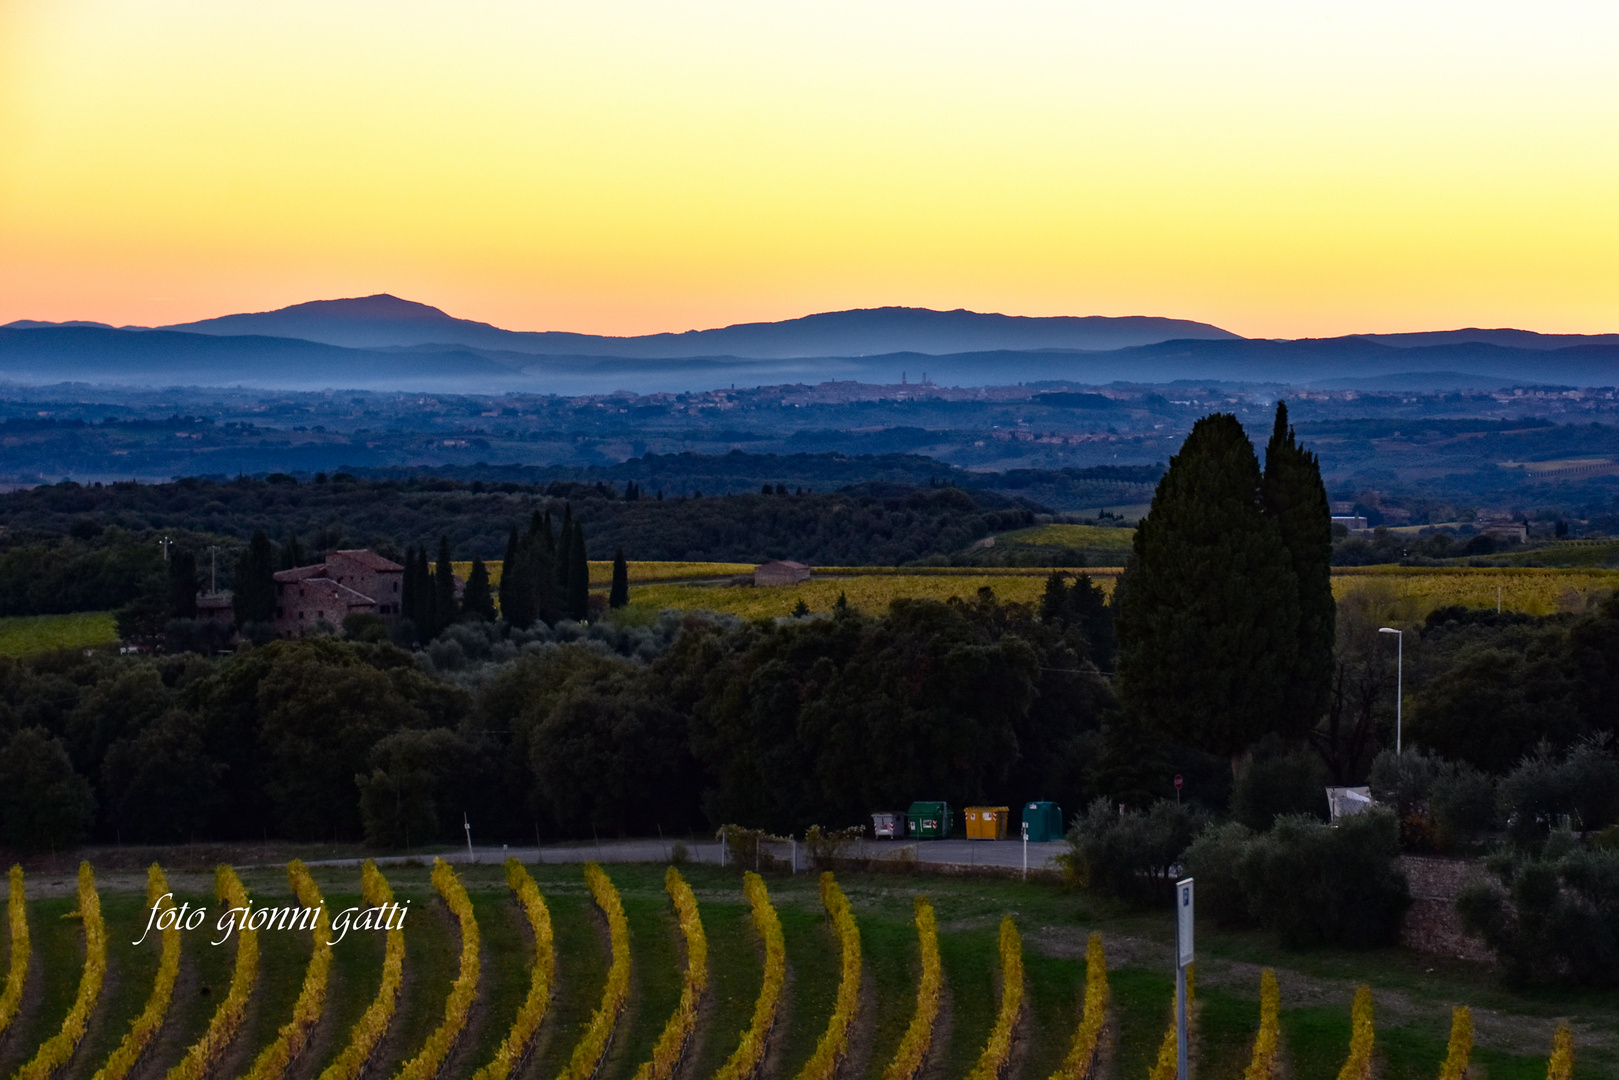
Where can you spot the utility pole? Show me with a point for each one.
(1399, 680)
(213, 569)
(165, 544)
(467, 825)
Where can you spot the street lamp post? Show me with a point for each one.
(1399, 679)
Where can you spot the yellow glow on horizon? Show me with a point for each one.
(621, 167)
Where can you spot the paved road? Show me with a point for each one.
(966, 853)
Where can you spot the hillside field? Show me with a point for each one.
(25, 635)
(1412, 591)
(1413, 993)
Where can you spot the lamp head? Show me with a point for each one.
(1387, 630)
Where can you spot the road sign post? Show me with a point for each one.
(1025, 851)
(1183, 956)
(1179, 781)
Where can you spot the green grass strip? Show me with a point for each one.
(227, 1019)
(529, 1015)
(592, 1046)
(367, 1031)
(671, 1044)
(59, 1047)
(150, 1020)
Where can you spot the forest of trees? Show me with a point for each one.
(681, 725)
(75, 548)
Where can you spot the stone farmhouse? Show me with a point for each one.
(348, 583)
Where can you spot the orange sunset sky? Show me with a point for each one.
(1278, 168)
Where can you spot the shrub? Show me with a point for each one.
(227, 1019)
(671, 1045)
(17, 970)
(1310, 882)
(751, 1049)
(432, 1054)
(1552, 916)
(913, 1047)
(1561, 1065)
(150, 1020)
(1440, 803)
(1358, 1065)
(1464, 805)
(1082, 1051)
(1544, 791)
(587, 1054)
(368, 1030)
(1168, 1064)
(999, 1045)
(1263, 1062)
(55, 1051)
(529, 1015)
(1131, 853)
(1460, 1049)
(1279, 781)
(827, 846)
(1217, 859)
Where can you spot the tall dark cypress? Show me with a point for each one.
(183, 585)
(577, 598)
(477, 601)
(511, 581)
(1296, 499)
(427, 623)
(1208, 606)
(292, 553)
(564, 557)
(619, 594)
(407, 590)
(253, 598)
(444, 603)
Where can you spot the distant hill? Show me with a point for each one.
(1512, 339)
(383, 320)
(383, 342)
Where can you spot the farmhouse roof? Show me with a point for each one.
(367, 558)
(339, 592)
(301, 573)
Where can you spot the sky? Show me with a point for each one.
(1280, 169)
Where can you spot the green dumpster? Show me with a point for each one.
(929, 820)
(1043, 820)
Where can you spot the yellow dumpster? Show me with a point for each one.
(987, 822)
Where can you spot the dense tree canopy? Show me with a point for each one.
(682, 725)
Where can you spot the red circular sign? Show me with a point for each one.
(1178, 781)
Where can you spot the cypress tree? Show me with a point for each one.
(444, 604)
(253, 599)
(511, 582)
(477, 601)
(292, 553)
(1054, 601)
(619, 594)
(577, 598)
(1207, 610)
(183, 585)
(518, 601)
(426, 600)
(1296, 499)
(564, 548)
(407, 588)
